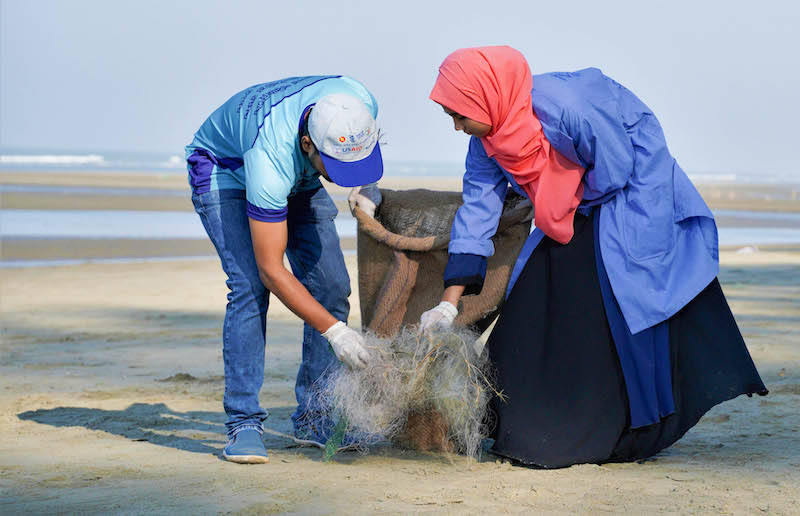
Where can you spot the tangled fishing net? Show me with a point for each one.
(425, 391)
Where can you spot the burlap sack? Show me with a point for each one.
(425, 431)
(402, 254)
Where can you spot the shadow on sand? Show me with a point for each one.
(155, 423)
(202, 432)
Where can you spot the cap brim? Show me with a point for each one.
(355, 173)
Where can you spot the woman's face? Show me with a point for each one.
(468, 125)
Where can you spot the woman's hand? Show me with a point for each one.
(443, 314)
(440, 316)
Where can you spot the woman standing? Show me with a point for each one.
(615, 337)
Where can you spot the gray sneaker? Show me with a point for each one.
(246, 448)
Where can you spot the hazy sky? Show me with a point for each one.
(722, 76)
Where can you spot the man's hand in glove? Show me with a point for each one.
(367, 197)
(348, 345)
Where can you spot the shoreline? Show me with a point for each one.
(159, 192)
(744, 207)
(719, 196)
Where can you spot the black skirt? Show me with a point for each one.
(558, 369)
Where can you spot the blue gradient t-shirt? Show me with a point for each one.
(251, 142)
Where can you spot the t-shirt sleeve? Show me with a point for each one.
(268, 181)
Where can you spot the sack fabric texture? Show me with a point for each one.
(402, 254)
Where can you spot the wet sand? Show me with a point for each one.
(89, 248)
(111, 401)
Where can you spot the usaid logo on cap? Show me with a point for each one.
(342, 127)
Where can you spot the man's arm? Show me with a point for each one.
(269, 246)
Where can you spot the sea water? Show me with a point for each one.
(116, 224)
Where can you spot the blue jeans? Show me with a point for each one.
(316, 260)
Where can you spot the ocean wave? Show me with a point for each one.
(175, 162)
(712, 178)
(52, 159)
(776, 177)
(104, 161)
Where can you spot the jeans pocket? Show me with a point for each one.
(648, 226)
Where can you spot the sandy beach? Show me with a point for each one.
(111, 390)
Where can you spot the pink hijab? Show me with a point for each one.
(493, 85)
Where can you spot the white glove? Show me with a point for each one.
(348, 345)
(440, 316)
(367, 197)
